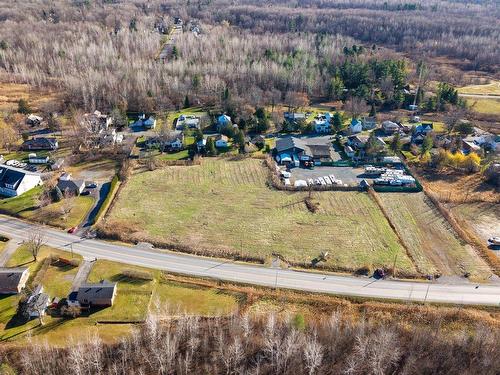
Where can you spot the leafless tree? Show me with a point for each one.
(36, 240)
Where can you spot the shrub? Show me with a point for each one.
(137, 275)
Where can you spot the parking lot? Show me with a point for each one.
(348, 175)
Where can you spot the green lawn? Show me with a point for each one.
(134, 296)
(25, 206)
(227, 204)
(183, 299)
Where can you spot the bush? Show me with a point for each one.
(137, 275)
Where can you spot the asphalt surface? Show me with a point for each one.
(466, 293)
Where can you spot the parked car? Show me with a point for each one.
(310, 181)
(84, 193)
(72, 229)
(327, 180)
(93, 185)
(379, 273)
(494, 241)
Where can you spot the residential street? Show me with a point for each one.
(465, 293)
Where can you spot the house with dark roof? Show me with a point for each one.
(100, 294)
(40, 143)
(13, 280)
(73, 187)
(291, 150)
(15, 181)
(357, 141)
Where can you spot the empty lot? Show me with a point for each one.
(430, 239)
(227, 204)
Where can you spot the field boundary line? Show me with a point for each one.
(374, 195)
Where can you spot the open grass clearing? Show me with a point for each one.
(486, 106)
(182, 299)
(134, 296)
(226, 204)
(492, 88)
(10, 93)
(483, 217)
(432, 242)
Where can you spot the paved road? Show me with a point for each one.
(259, 275)
(480, 96)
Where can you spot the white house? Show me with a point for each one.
(322, 123)
(356, 126)
(187, 122)
(15, 181)
(221, 141)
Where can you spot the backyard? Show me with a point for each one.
(225, 204)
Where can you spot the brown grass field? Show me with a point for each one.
(226, 204)
(433, 244)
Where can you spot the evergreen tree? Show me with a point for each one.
(239, 139)
(187, 104)
(337, 121)
(373, 112)
(396, 143)
(57, 194)
(198, 135)
(23, 107)
(211, 150)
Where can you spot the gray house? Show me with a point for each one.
(101, 294)
(13, 280)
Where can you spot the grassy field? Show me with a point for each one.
(483, 217)
(431, 241)
(227, 204)
(492, 88)
(134, 297)
(487, 106)
(25, 206)
(10, 93)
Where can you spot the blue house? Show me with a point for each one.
(222, 121)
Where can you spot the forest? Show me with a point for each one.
(269, 345)
(103, 54)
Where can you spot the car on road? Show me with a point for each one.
(72, 230)
(494, 241)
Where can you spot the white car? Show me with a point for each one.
(327, 180)
(321, 180)
(300, 183)
(494, 241)
(286, 174)
(310, 181)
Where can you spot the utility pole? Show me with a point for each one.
(394, 266)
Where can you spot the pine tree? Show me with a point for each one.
(187, 104)
(337, 121)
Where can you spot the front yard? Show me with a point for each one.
(26, 207)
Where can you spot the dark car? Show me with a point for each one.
(93, 185)
(86, 192)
